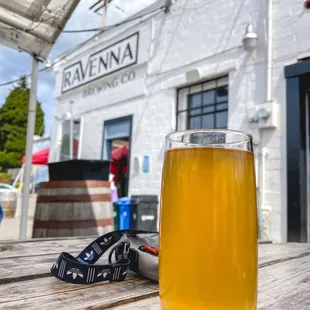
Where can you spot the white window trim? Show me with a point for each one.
(59, 136)
(80, 137)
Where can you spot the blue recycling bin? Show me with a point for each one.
(124, 213)
(1, 213)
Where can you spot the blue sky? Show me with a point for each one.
(14, 63)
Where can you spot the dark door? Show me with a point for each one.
(117, 134)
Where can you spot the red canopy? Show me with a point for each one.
(39, 158)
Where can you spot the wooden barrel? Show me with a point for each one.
(73, 208)
(8, 201)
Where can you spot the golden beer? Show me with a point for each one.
(208, 230)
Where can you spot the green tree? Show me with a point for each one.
(13, 125)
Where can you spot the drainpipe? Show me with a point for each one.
(268, 104)
(262, 209)
(269, 51)
(71, 131)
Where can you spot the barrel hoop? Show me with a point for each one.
(38, 224)
(75, 198)
(63, 191)
(86, 183)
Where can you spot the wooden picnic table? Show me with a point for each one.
(25, 281)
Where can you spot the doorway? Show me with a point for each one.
(298, 151)
(116, 148)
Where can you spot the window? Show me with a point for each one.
(65, 140)
(117, 134)
(203, 105)
(76, 137)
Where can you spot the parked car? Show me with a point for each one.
(8, 199)
(7, 187)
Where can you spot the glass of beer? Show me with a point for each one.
(208, 222)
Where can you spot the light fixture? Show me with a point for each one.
(263, 113)
(193, 76)
(66, 116)
(250, 38)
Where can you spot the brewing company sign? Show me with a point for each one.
(115, 57)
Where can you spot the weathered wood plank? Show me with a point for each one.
(36, 240)
(267, 252)
(283, 286)
(26, 268)
(17, 268)
(50, 293)
(48, 287)
(145, 304)
(26, 249)
(272, 253)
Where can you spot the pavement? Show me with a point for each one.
(9, 227)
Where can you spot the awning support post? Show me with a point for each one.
(29, 143)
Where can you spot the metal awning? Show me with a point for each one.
(33, 25)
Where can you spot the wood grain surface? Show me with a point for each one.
(50, 293)
(38, 247)
(73, 209)
(283, 286)
(25, 283)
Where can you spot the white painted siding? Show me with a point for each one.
(204, 35)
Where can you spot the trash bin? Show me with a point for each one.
(1, 213)
(144, 210)
(124, 213)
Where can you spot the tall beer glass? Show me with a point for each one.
(208, 228)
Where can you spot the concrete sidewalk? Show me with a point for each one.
(9, 228)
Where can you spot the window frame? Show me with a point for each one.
(201, 92)
(77, 118)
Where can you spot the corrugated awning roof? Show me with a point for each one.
(33, 25)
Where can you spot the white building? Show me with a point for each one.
(141, 80)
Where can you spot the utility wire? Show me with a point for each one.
(28, 75)
(84, 30)
(98, 2)
(83, 43)
(112, 26)
(119, 8)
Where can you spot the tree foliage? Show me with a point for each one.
(13, 125)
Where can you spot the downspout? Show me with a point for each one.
(71, 120)
(269, 51)
(263, 210)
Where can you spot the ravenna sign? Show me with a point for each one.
(115, 57)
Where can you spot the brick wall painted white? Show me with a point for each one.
(206, 35)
